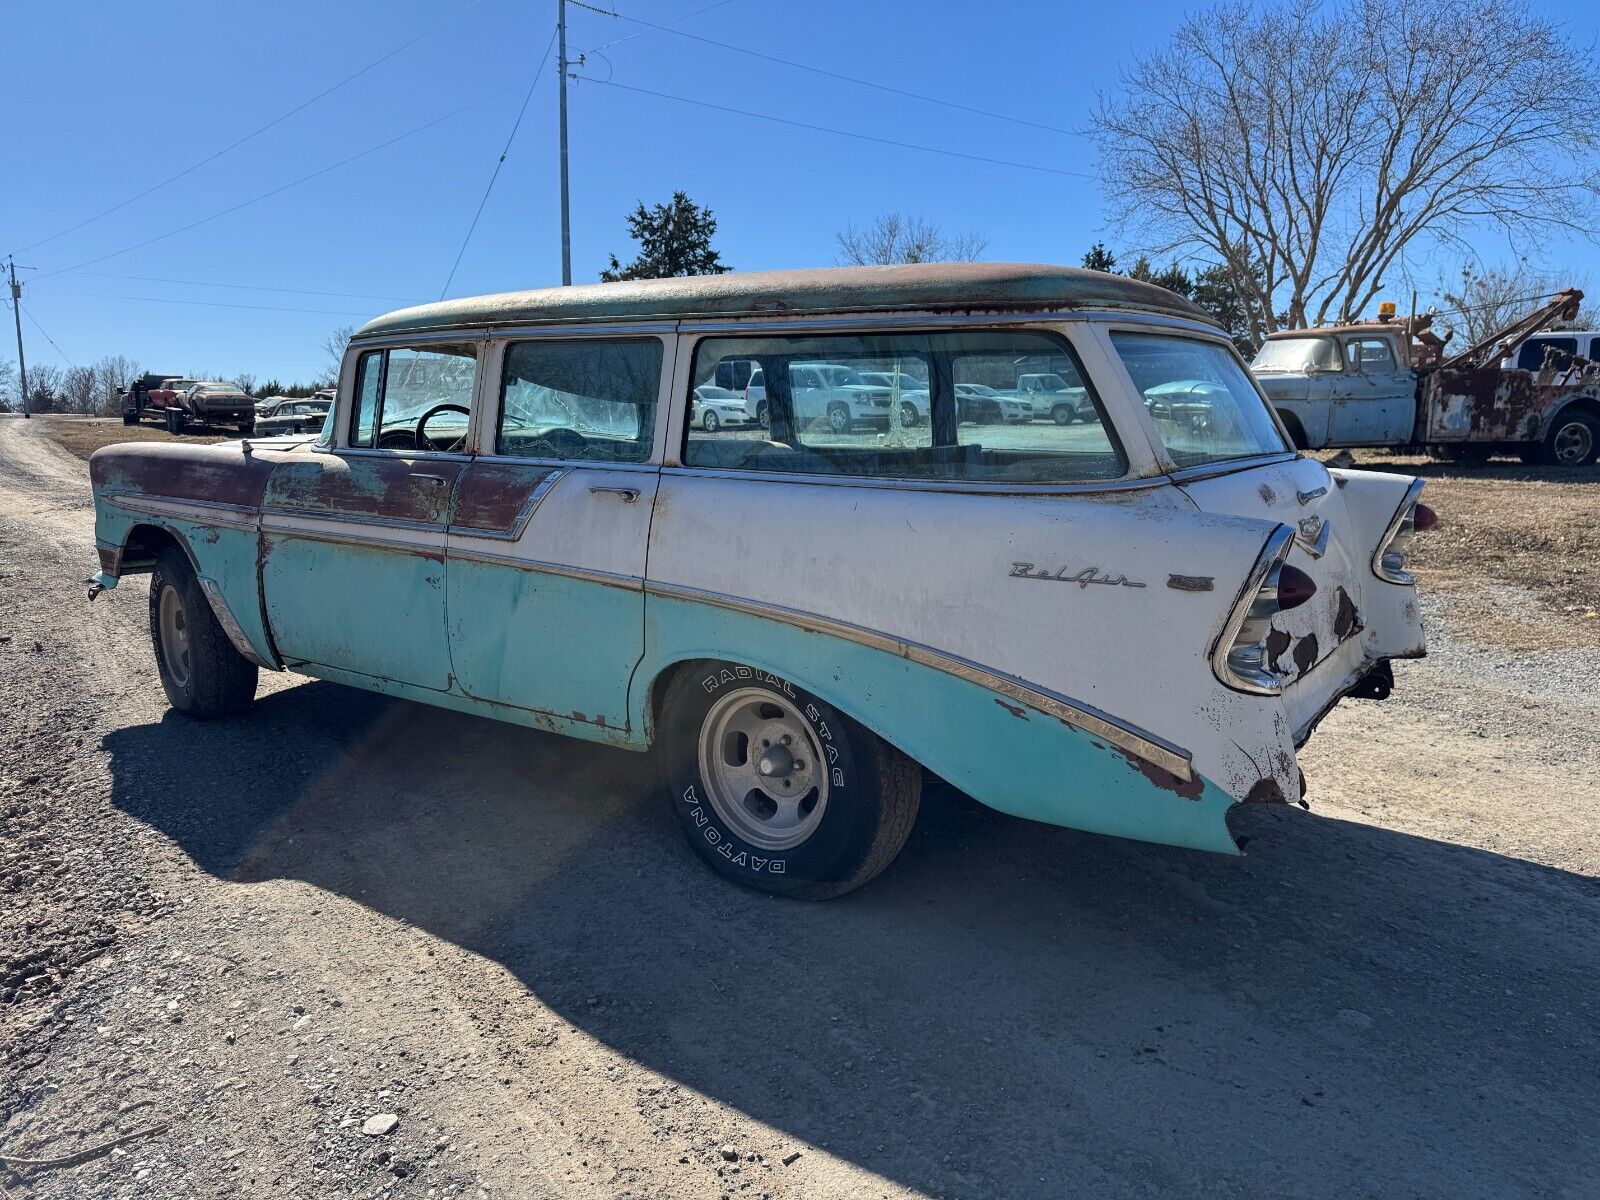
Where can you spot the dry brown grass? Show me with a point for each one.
(1516, 550)
(84, 435)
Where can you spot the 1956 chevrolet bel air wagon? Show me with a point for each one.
(1126, 623)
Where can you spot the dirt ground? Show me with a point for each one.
(226, 948)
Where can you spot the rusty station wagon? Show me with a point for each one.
(1125, 623)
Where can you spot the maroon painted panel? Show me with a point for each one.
(365, 485)
(218, 474)
(492, 495)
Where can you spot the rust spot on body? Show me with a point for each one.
(1346, 620)
(1305, 653)
(1277, 642)
(1265, 791)
(1268, 496)
(1164, 779)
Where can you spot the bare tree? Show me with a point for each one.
(245, 381)
(78, 390)
(1489, 298)
(9, 398)
(1307, 148)
(894, 237)
(110, 373)
(335, 345)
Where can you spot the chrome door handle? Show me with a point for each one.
(629, 495)
(436, 480)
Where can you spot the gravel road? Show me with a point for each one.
(232, 945)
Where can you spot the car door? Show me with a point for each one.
(1374, 400)
(546, 548)
(353, 536)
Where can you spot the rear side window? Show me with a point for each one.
(583, 400)
(983, 406)
(1203, 405)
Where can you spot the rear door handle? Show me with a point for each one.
(436, 480)
(629, 495)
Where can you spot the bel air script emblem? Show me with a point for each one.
(1083, 578)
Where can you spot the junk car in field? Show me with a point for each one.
(1125, 624)
(1389, 383)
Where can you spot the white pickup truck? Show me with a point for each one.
(1383, 383)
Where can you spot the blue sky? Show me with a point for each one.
(105, 99)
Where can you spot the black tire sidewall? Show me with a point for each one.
(1561, 423)
(173, 571)
(844, 837)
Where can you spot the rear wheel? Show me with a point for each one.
(130, 417)
(1572, 441)
(201, 672)
(777, 790)
(175, 420)
(762, 414)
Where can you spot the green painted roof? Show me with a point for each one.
(913, 287)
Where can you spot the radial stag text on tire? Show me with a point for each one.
(1573, 440)
(776, 789)
(201, 672)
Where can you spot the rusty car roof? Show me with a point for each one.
(912, 287)
(1397, 327)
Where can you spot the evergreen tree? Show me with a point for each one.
(1100, 259)
(674, 240)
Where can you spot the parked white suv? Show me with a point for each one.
(1052, 397)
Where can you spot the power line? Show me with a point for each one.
(882, 87)
(500, 162)
(327, 312)
(865, 137)
(641, 33)
(277, 190)
(189, 170)
(242, 287)
(29, 314)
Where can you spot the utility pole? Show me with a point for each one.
(16, 311)
(566, 222)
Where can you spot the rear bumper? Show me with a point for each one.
(229, 412)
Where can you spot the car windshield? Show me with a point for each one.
(1295, 355)
(1200, 398)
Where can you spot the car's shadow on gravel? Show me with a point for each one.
(1009, 1003)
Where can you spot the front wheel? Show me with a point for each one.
(710, 423)
(839, 418)
(777, 790)
(1063, 414)
(201, 672)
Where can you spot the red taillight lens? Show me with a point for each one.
(1423, 518)
(1295, 587)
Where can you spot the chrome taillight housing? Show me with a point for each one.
(1412, 517)
(1242, 659)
